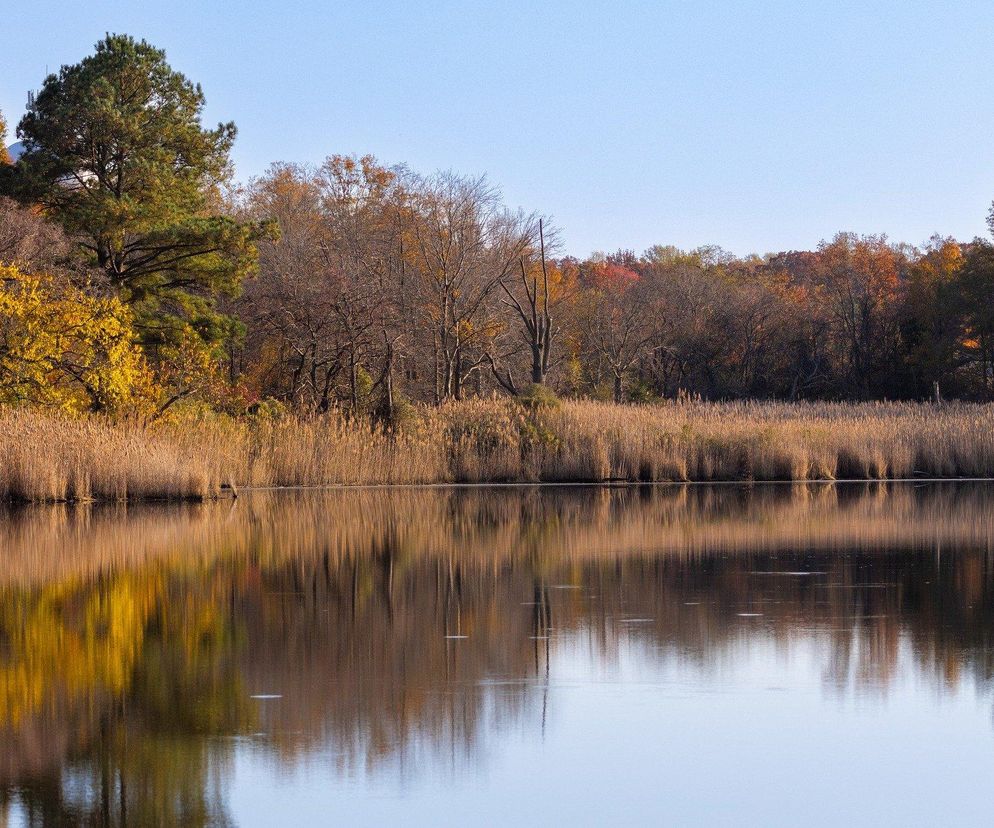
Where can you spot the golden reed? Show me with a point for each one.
(47, 457)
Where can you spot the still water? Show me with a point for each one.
(720, 655)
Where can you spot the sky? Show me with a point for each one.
(758, 126)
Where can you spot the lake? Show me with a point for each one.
(709, 655)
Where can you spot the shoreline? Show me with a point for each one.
(579, 484)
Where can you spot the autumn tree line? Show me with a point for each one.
(137, 276)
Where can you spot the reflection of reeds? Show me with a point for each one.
(553, 524)
(46, 457)
(170, 616)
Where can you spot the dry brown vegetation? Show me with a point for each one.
(49, 457)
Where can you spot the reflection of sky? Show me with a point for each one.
(650, 736)
(790, 655)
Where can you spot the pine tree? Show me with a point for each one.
(115, 151)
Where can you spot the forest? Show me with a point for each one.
(420, 326)
(138, 275)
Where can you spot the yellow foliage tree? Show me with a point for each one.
(4, 155)
(65, 348)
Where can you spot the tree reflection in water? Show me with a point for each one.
(400, 624)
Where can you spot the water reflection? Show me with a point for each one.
(144, 652)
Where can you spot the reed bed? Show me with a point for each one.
(48, 457)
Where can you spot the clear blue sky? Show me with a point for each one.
(755, 125)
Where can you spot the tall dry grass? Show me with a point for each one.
(46, 457)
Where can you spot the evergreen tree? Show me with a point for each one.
(115, 151)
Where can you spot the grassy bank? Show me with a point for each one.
(47, 457)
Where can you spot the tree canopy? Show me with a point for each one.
(378, 286)
(62, 347)
(115, 151)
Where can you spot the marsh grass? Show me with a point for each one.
(47, 457)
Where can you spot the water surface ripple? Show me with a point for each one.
(815, 654)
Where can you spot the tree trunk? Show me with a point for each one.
(353, 381)
(538, 370)
(388, 383)
(457, 376)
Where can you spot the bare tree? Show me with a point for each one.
(30, 241)
(326, 314)
(466, 244)
(534, 299)
(295, 351)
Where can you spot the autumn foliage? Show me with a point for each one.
(62, 347)
(145, 284)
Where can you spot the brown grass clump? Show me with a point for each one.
(48, 457)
